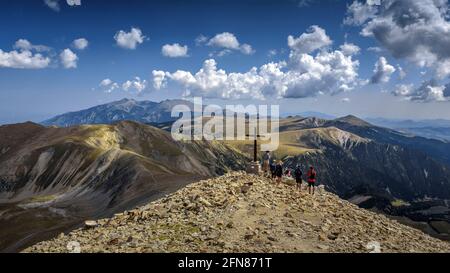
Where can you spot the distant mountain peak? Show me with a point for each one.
(353, 120)
(124, 109)
(126, 100)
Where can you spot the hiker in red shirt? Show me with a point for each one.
(311, 179)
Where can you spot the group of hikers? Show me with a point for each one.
(276, 169)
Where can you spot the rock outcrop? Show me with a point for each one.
(245, 213)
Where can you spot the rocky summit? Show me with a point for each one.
(238, 212)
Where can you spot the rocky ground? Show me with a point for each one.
(245, 213)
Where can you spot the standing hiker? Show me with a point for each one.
(266, 163)
(298, 177)
(279, 172)
(273, 167)
(312, 174)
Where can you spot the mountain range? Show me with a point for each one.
(156, 113)
(96, 162)
(399, 123)
(432, 128)
(125, 109)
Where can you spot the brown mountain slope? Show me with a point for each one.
(94, 171)
(50, 161)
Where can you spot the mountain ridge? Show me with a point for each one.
(245, 213)
(125, 109)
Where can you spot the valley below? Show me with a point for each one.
(431, 217)
(27, 223)
(22, 227)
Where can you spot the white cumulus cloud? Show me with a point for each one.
(350, 49)
(415, 31)
(25, 56)
(54, 4)
(73, 2)
(310, 41)
(23, 60)
(358, 13)
(228, 41)
(418, 31)
(23, 44)
(382, 71)
(68, 58)
(136, 84)
(175, 50)
(106, 82)
(107, 85)
(247, 49)
(225, 40)
(159, 79)
(428, 91)
(81, 43)
(129, 40)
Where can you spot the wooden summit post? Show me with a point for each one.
(254, 167)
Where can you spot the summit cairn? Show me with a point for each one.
(254, 168)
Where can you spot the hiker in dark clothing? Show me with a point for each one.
(273, 166)
(279, 172)
(311, 179)
(298, 177)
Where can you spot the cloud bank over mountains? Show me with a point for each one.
(310, 70)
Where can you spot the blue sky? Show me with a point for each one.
(39, 91)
